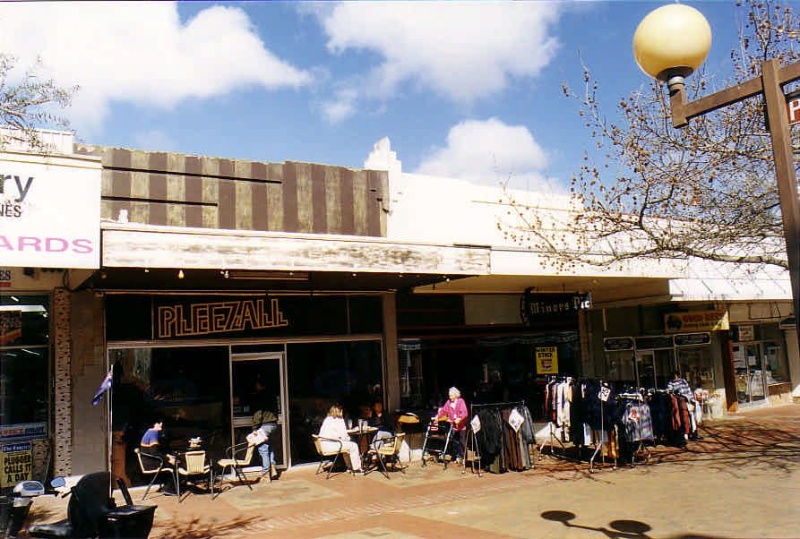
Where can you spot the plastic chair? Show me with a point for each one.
(237, 457)
(196, 466)
(390, 452)
(89, 501)
(154, 465)
(328, 456)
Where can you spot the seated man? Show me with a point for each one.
(264, 422)
(378, 420)
(150, 443)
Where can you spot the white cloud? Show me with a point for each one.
(140, 52)
(462, 50)
(491, 153)
(154, 139)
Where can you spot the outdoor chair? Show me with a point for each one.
(154, 465)
(236, 458)
(196, 467)
(330, 456)
(389, 452)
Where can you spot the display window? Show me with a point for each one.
(187, 388)
(24, 366)
(323, 373)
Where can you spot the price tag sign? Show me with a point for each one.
(604, 394)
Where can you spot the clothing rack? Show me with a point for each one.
(639, 449)
(603, 433)
(552, 434)
(598, 437)
(472, 437)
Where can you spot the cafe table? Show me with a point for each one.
(362, 435)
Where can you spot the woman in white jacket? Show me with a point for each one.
(333, 427)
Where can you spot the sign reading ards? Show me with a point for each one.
(49, 213)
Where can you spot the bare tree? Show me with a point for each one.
(706, 191)
(29, 103)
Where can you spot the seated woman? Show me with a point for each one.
(333, 427)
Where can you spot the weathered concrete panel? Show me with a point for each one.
(170, 249)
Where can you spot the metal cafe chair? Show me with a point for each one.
(328, 457)
(389, 452)
(236, 458)
(154, 465)
(196, 466)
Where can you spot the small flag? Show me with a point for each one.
(105, 386)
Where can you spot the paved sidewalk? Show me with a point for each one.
(739, 481)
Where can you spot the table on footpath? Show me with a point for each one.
(362, 435)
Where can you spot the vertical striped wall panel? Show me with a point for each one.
(160, 188)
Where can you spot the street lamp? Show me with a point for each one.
(669, 44)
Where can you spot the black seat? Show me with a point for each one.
(91, 512)
(89, 501)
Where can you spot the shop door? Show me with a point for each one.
(646, 369)
(257, 383)
(749, 364)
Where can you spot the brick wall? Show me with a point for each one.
(88, 368)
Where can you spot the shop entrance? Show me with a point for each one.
(748, 360)
(258, 384)
(653, 368)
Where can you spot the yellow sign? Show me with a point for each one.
(547, 360)
(696, 321)
(16, 461)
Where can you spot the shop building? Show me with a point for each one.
(723, 327)
(49, 243)
(226, 286)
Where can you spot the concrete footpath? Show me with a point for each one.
(742, 480)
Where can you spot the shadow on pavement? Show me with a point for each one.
(748, 443)
(197, 529)
(618, 529)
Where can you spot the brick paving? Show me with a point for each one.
(741, 480)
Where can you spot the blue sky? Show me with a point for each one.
(462, 89)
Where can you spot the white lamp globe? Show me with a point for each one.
(672, 40)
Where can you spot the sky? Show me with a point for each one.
(471, 90)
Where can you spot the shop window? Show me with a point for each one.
(24, 366)
(324, 373)
(187, 387)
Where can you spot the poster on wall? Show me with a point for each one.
(10, 327)
(547, 360)
(16, 461)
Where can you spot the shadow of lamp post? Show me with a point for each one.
(669, 44)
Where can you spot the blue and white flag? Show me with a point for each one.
(105, 386)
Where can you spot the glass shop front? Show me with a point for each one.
(206, 365)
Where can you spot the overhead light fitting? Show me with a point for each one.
(258, 275)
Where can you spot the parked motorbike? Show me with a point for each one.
(14, 509)
(91, 512)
